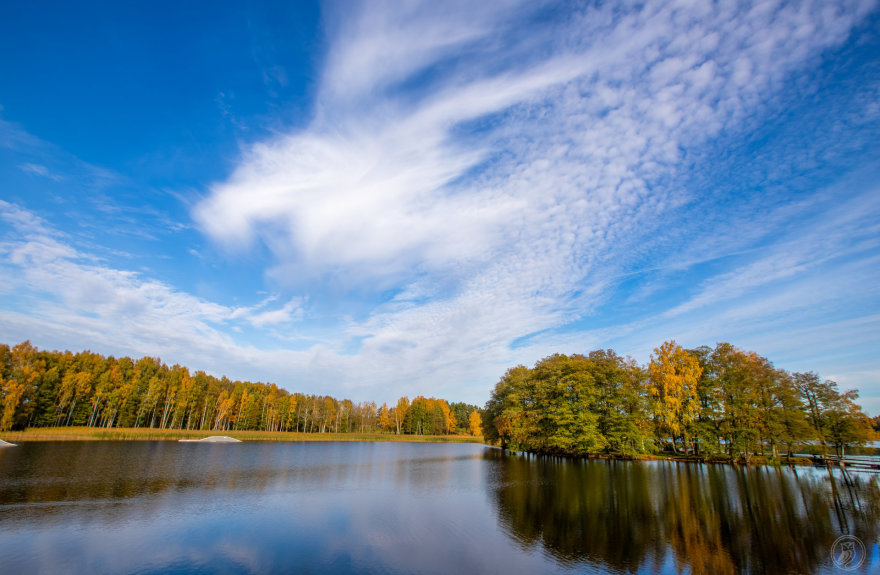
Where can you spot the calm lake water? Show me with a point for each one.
(165, 507)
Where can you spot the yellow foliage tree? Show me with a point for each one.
(475, 423)
(400, 412)
(673, 377)
(10, 393)
(449, 422)
(386, 422)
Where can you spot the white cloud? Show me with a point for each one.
(499, 184)
(69, 291)
(259, 317)
(39, 170)
(521, 172)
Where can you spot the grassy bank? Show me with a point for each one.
(147, 434)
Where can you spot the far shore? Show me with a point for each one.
(152, 434)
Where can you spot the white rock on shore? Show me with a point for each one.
(214, 439)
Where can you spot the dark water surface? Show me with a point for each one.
(166, 507)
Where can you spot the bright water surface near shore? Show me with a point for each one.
(166, 507)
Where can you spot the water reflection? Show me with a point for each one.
(49, 478)
(411, 508)
(638, 516)
(251, 508)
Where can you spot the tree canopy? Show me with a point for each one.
(51, 388)
(721, 402)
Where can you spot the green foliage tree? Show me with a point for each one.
(462, 413)
(621, 403)
(565, 391)
(835, 418)
(510, 411)
(707, 401)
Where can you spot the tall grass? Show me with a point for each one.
(150, 434)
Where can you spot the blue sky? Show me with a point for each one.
(379, 199)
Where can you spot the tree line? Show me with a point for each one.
(719, 402)
(41, 388)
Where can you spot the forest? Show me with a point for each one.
(51, 388)
(710, 403)
(719, 402)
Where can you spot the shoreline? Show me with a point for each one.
(852, 462)
(36, 434)
(152, 434)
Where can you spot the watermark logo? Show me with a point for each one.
(848, 552)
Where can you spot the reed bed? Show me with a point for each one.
(152, 434)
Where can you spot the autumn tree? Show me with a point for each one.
(448, 419)
(475, 423)
(24, 370)
(11, 392)
(673, 374)
(400, 412)
(462, 412)
(734, 402)
(386, 422)
(74, 385)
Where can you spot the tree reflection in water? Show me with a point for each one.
(634, 516)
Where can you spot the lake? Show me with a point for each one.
(166, 507)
